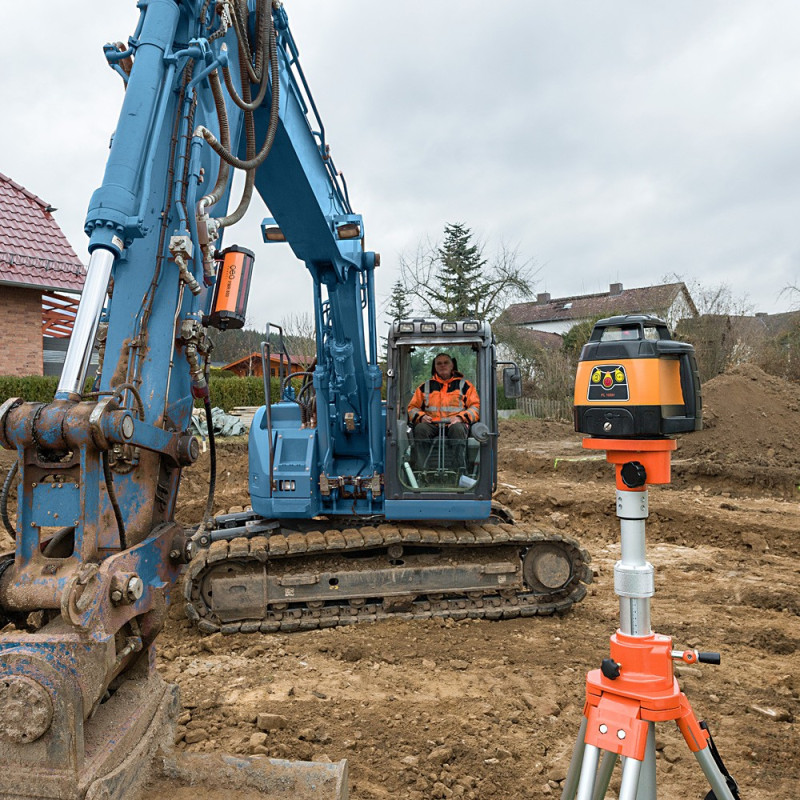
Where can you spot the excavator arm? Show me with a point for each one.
(208, 88)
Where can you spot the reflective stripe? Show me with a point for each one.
(454, 398)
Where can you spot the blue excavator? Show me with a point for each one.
(351, 518)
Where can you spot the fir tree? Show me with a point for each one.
(461, 275)
(398, 306)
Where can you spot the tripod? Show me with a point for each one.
(636, 687)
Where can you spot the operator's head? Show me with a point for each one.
(443, 366)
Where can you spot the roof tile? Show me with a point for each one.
(33, 249)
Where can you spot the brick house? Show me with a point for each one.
(40, 276)
(671, 301)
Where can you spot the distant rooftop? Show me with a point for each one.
(615, 301)
(34, 252)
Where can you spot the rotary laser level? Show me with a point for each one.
(633, 380)
(635, 385)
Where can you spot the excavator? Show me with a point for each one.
(351, 518)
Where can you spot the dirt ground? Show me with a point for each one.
(490, 710)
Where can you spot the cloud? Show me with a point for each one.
(614, 141)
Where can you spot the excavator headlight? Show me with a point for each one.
(449, 327)
(274, 235)
(471, 327)
(428, 327)
(350, 230)
(406, 327)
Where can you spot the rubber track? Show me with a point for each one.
(279, 546)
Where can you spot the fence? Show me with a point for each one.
(545, 409)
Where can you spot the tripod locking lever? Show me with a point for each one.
(694, 656)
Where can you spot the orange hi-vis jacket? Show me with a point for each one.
(444, 399)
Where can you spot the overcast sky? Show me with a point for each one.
(607, 141)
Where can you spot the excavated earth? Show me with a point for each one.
(490, 710)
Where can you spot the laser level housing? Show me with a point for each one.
(634, 381)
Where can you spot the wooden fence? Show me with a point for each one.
(545, 409)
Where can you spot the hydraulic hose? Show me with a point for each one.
(7, 484)
(257, 74)
(212, 479)
(259, 159)
(112, 497)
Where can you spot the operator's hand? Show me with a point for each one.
(426, 418)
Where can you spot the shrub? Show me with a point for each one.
(226, 393)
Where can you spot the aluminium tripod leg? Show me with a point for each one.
(713, 774)
(574, 771)
(604, 773)
(647, 780)
(591, 757)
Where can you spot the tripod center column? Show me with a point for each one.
(634, 581)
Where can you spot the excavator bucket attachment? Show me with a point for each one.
(104, 756)
(113, 754)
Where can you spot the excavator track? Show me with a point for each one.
(295, 581)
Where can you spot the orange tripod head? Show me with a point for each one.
(638, 461)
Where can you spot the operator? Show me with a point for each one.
(446, 400)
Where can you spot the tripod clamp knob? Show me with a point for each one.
(610, 669)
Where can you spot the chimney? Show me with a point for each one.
(615, 288)
(542, 298)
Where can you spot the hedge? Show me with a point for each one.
(226, 393)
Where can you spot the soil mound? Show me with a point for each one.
(750, 421)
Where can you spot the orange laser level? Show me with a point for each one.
(633, 380)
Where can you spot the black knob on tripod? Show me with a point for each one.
(610, 669)
(633, 474)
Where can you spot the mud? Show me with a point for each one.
(490, 710)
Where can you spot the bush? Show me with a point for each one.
(503, 402)
(227, 393)
(33, 388)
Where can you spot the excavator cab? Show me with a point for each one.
(440, 475)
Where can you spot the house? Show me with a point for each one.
(251, 365)
(41, 278)
(670, 301)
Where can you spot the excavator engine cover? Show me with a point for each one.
(634, 381)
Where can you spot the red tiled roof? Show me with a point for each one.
(648, 299)
(33, 250)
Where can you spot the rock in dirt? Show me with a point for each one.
(196, 735)
(271, 722)
(441, 755)
(776, 714)
(755, 541)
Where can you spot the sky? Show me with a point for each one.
(606, 142)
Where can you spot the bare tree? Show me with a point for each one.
(548, 372)
(301, 336)
(722, 334)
